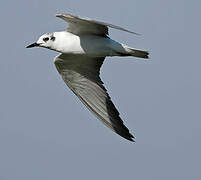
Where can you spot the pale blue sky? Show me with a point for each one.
(46, 133)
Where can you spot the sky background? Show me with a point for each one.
(45, 131)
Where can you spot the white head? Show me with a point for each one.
(46, 41)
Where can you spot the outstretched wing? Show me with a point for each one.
(78, 25)
(81, 75)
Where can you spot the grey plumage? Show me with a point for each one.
(81, 75)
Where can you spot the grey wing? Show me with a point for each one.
(81, 75)
(78, 25)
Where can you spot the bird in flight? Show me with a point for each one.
(83, 47)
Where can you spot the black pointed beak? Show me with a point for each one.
(33, 45)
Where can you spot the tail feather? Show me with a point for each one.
(140, 53)
(136, 52)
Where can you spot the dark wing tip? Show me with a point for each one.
(116, 121)
(146, 56)
(130, 139)
(126, 134)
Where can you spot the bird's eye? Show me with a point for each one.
(46, 39)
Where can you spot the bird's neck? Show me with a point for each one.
(66, 42)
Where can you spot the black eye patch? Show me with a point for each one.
(52, 38)
(46, 39)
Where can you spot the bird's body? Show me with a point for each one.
(83, 48)
(90, 45)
